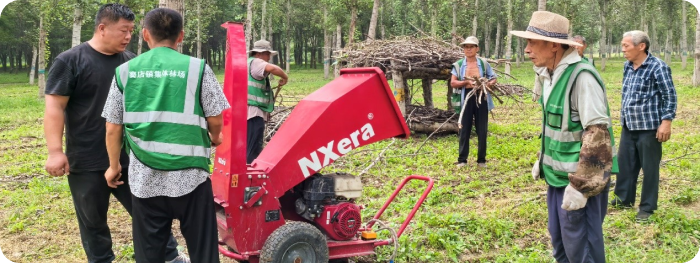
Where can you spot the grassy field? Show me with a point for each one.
(493, 215)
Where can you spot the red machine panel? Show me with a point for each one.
(351, 111)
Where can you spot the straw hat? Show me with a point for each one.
(263, 46)
(547, 26)
(471, 40)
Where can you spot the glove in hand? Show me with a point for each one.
(573, 199)
(536, 170)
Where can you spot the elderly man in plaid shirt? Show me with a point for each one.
(648, 108)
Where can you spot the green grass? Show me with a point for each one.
(493, 215)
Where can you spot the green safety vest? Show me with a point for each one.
(456, 97)
(164, 122)
(561, 140)
(259, 92)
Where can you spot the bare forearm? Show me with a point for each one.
(455, 83)
(277, 71)
(53, 131)
(114, 139)
(595, 161)
(215, 123)
(54, 122)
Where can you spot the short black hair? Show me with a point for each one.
(111, 13)
(565, 46)
(163, 24)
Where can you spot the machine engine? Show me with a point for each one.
(329, 201)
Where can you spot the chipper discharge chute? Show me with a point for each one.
(280, 208)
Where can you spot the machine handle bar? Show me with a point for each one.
(415, 208)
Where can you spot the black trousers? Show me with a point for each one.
(256, 134)
(91, 201)
(639, 150)
(153, 219)
(474, 115)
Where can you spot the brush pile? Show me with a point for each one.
(406, 52)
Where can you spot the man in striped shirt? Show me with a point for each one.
(648, 108)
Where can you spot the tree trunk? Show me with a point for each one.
(77, 24)
(381, 20)
(42, 59)
(33, 68)
(270, 33)
(263, 27)
(427, 92)
(696, 71)
(179, 6)
(199, 29)
(520, 53)
(353, 21)
(338, 47)
(249, 25)
(141, 32)
(642, 16)
(667, 47)
(433, 20)
(326, 45)
(603, 40)
(487, 40)
(454, 22)
(474, 21)
(509, 49)
(684, 37)
(542, 5)
(497, 47)
(653, 37)
(400, 93)
(289, 40)
(372, 32)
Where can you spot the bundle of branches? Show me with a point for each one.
(497, 90)
(277, 117)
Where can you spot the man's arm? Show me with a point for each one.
(277, 71)
(113, 113)
(215, 123)
(595, 159)
(664, 82)
(456, 83)
(114, 147)
(57, 162)
(213, 104)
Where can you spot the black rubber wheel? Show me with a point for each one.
(295, 242)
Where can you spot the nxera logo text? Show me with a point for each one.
(331, 151)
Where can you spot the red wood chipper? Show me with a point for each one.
(280, 208)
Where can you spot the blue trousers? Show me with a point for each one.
(577, 236)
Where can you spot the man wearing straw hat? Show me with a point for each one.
(260, 94)
(576, 151)
(471, 110)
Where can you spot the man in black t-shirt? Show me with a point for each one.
(76, 90)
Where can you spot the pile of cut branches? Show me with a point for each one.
(406, 51)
